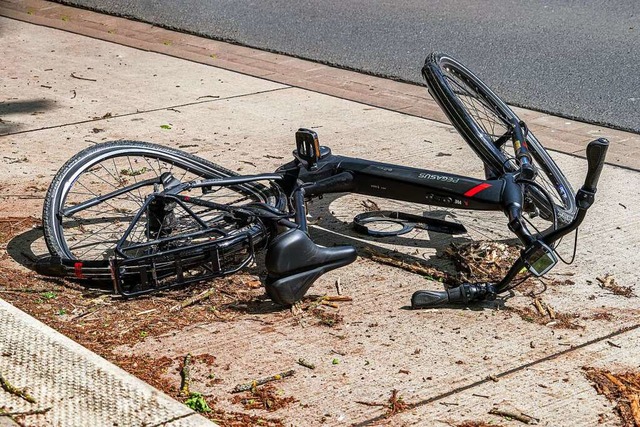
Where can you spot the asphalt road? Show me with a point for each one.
(576, 59)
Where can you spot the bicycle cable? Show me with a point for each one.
(575, 249)
(514, 285)
(555, 226)
(552, 205)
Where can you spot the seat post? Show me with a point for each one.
(300, 208)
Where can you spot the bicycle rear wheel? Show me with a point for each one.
(482, 119)
(93, 201)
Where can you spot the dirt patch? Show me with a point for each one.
(103, 322)
(11, 226)
(559, 321)
(602, 315)
(150, 370)
(324, 310)
(621, 388)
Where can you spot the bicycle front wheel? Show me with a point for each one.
(482, 119)
(94, 199)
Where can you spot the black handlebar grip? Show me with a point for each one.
(596, 152)
(429, 299)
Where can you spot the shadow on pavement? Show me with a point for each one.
(31, 107)
(20, 247)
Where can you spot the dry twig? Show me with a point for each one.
(190, 301)
(82, 78)
(248, 386)
(9, 388)
(431, 272)
(22, 413)
(306, 364)
(515, 414)
(370, 206)
(185, 375)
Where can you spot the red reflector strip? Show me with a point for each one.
(478, 188)
(78, 270)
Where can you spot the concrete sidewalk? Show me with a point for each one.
(72, 92)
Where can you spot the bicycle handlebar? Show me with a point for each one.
(596, 152)
(465, 293)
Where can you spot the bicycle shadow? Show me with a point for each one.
(20, 247)
(330, 230)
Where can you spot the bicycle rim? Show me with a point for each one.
(124, 174)
(482, 118)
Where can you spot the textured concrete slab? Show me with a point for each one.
(80, 387)
(555, 391)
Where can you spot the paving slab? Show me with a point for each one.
(55, 86)
(555, 391)
(379, 346)
(79, 387)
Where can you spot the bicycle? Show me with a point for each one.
(149, 217)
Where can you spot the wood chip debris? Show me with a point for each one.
(609, 283)
(396, 404)
(482, 261)
(622, 388)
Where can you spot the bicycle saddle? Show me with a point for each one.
(294, 262)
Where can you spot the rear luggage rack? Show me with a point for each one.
(178, 266)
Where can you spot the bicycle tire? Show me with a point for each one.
(479, 115)
(86, 176)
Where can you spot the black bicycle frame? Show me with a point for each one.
(345, 174)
